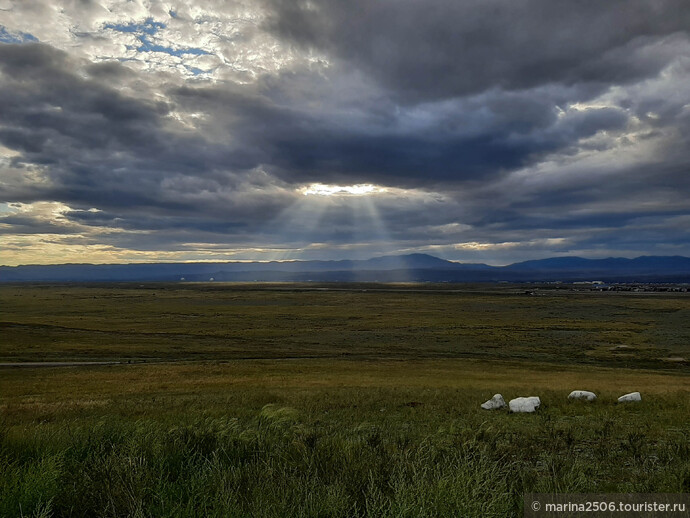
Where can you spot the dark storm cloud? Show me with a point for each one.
(108, 150)
(444, 48)
(101, 148)
(28, 224)
(151, 222)
(49, 111)
(471, 139)
(459, 98)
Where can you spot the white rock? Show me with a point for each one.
(494, 403)
(633, 396)
(524, 404)
(582, 394)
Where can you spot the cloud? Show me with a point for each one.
(555, 127)
(441, 48)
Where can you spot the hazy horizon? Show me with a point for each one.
(327, 260)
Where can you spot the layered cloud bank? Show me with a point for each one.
(488, 131)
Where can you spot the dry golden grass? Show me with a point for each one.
(90, 386)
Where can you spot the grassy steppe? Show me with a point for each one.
(387, 423)
(197, 321)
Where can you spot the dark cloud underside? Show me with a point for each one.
(558, 122)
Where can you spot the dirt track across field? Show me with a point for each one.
(54, 364)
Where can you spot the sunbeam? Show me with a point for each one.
(296, 225)
(368, 217)
(336, 222)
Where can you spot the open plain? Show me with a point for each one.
(334, 400)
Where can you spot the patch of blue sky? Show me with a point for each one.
(15, 37)
(142, 31)
(197, 71)
(7, 208)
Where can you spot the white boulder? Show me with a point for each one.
(494, 403)
(582, 394)
(524, 404)
(633, 396)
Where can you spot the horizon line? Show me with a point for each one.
(256, 261)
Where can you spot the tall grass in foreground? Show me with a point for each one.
(278, 463)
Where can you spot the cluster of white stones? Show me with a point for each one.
(531, 403)
(521, 404)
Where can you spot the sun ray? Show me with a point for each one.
(295, 225)
(380, 233)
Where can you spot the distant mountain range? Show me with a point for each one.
(398, 268)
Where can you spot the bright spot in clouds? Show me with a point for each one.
(321, 189)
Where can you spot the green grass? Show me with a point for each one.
(345, 415)
(330, 438)
(187, 322)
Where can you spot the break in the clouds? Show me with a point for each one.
(489, 130)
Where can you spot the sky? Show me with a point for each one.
(487, 131)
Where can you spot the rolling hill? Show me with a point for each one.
(395, 268)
